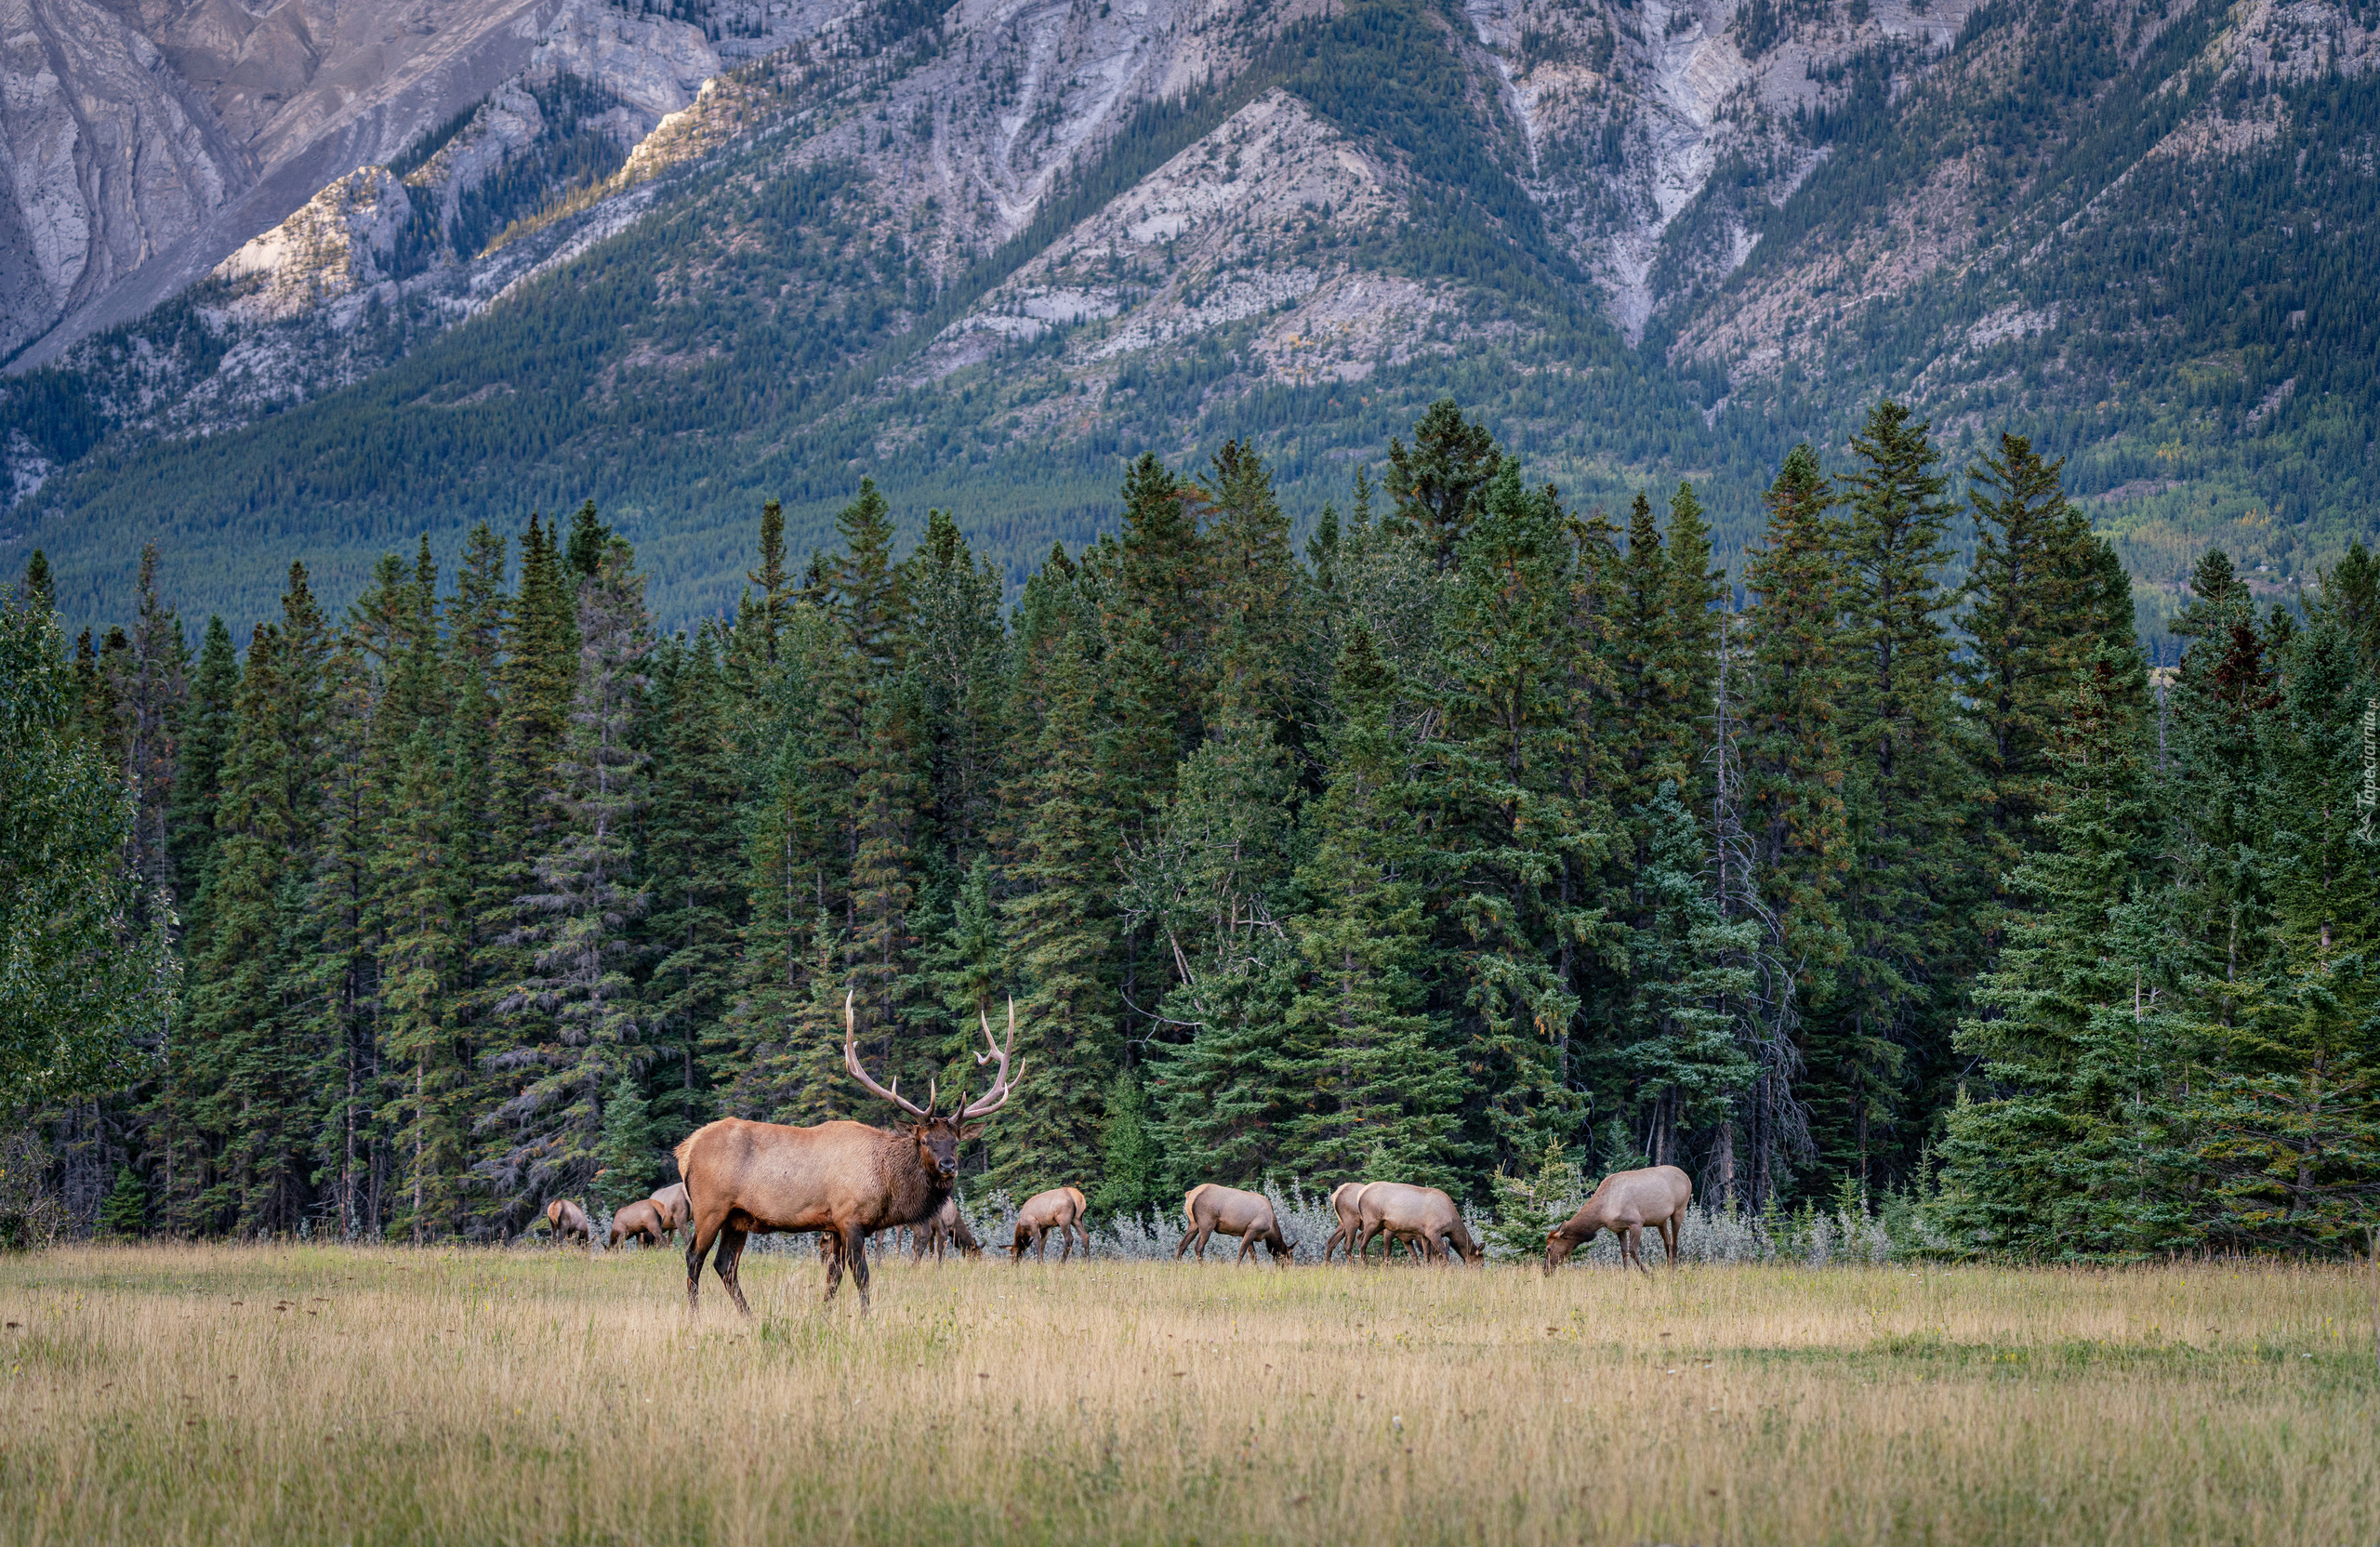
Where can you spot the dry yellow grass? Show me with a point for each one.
(313, 1395)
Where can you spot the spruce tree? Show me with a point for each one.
(1366, 1066)
(1883, 1032)
(585, 1022)
(2069, 1148)
(1440, 486)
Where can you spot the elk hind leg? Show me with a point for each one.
(730, 1258)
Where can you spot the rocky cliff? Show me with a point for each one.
(762, 245)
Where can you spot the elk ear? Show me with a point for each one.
(973, 1131)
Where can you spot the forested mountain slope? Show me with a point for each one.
(986, 253)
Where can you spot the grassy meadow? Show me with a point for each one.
(343, 1395)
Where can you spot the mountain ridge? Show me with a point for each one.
(1646, 242)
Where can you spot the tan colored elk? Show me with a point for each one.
(671, 1201)
(947, 1228)
(844, 1178)
(1060, 1209)
(568, 1220)
(634, 1220)
(1343, 1204)
(1210, 1207)
(1624, 1203)
(1420, 1214)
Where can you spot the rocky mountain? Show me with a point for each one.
(682, 261)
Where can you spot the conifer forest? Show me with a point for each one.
(1488, 833)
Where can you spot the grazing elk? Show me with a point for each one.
(1209, 1207)
(569, 1220)
(841, 1177)
(1343, 1204)
(632, 1221)
(1421, 1214)
(1060, 1209)
(1624, 1203)
(948, 1227)
(675, 1209)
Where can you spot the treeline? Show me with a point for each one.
(1487, 835)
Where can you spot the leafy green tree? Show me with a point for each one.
(85, 980)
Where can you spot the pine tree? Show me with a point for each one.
(1061, 932)
(2071, 1150)
(1252, 587)
(689, 855)
(207, 735)
(418, 956)
(1368, 1066)
(1208, 885)
(1883, 1032)
(151, 682)
(1441, 485)
(1517, 838)
(577, 920)
(1794, 771)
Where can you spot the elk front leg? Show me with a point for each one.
(1633, 1248)
(855, 1247)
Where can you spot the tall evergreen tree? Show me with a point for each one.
(577, 920)
(1440, 486)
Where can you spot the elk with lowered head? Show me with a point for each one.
(845, 1179)
(1422, 1214)
(1210, 1207)
(947, 1228)
(672, 1202)
(568, 1220)
(1624, 1203)
(1060, 1209)
(633, 1221)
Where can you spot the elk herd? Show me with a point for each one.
(849, 1182)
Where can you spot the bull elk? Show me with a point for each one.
(1624, 1203)
(1209, 1207)
(844, 1178)
(1060, 1209)
(568, 1220)
(1422, 1214)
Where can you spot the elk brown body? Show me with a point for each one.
(569, 1220)
(1060, 1209)
(1210, 1207)
(1343, 1204)
(845, 1179)
(632, 1221)
(1624, 1203)
(675, 1209)
(1422, 1214)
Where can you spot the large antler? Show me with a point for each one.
(1002, 1082)
(851, 1062)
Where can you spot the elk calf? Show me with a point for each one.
(1060, 1209)
(948, 1227)
(1209, 1207)
(569, 1220)
(1422, 1214)
(632, 1221)
(1624, 1203)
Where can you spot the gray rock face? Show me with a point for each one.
(145, 141)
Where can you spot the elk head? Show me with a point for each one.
(938, 1136)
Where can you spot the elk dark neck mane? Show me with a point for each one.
(911, 1192)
